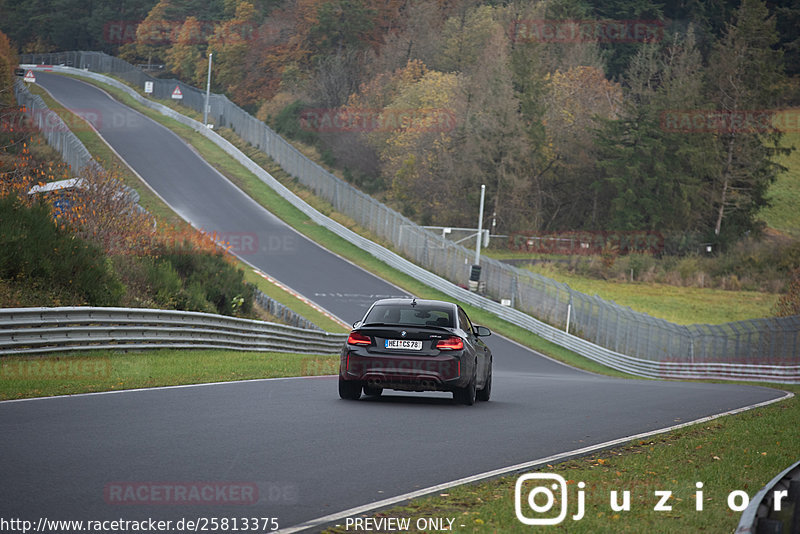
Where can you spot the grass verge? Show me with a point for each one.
(106, 370)
(678, 304)
(728, 454)
(784, 194)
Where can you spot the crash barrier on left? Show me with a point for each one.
(43, 330)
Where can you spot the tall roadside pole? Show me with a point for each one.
(475, 272)
(208, 91)
(480, 228)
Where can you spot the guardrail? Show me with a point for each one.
(776, 508)
(283, 313)
(42, 330)
(697, 355)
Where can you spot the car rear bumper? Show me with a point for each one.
(401, 372)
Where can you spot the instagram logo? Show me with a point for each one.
(550, 489)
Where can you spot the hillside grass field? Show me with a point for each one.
(677, 304)
(784, 195)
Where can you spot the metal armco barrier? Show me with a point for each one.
(42, 330)
(283, 313)
(630, 341)
(775, 509)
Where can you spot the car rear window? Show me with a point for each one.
(406, 314)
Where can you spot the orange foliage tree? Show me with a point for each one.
(185, 57)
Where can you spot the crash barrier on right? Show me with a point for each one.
(776, 508)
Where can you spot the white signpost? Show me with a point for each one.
(148, 87)
(176, 94)
(29, 77)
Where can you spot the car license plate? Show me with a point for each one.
(403, 344)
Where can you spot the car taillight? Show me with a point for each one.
(356, 338)
(451, 343)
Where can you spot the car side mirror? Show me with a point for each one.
(482, 331)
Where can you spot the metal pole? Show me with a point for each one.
(208, 91)
(480, 229)
(569, 312)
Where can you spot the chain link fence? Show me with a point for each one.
(764, 342)
(54, 130)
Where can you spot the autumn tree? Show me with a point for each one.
(419, 39)
(337, 76)
(417, 128)
(233, 63)
(464, 37)
(789, 303)
(357, 151)
(186, 55)
(160, 29)
(489, 143)
(155, 34)
(8, 62)
(577, 100)
(341, 25)
(745, 72)
(528, 61)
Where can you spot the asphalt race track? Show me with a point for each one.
(290, 448)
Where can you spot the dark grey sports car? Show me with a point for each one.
(416, 345)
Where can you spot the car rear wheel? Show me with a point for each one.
(467, 394)
(484, 394)
(349, 389)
